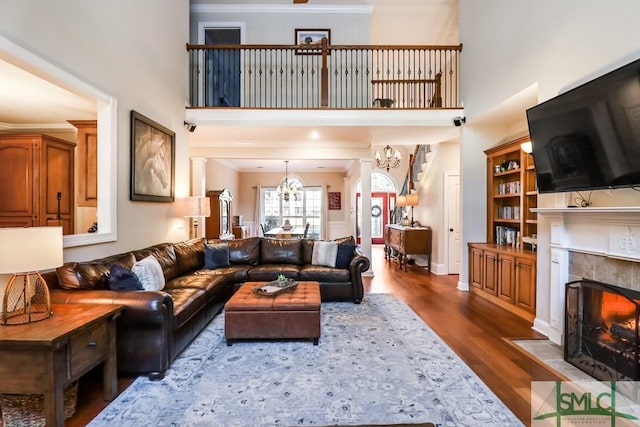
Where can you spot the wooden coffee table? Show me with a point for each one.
(291, 315)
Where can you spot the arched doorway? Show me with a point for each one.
(383, 203)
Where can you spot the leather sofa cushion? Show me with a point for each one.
(206, 282)
(187, 302)
(233, 273)
(280, 251)
(244, 251)
(189, 255)
(91, 275)
(324, 274)
(269, 272)
(166, 256)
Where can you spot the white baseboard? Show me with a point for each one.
(463, 286)
(545, 329)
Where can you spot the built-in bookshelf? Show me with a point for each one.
(511, 193)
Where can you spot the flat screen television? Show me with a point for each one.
(589, 137)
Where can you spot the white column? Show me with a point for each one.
(365, 232)
(198, 185)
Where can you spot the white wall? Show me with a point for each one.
(276, 25)
(445, 157)
(134, 51)
(510, 46)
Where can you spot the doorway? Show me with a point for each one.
(452, 215)
(222, 68)
(383, 204)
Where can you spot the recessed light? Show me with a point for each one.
(315, 135)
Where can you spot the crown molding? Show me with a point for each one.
(37, 127)
(279, 9)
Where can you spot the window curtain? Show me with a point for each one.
(324, 220)
(257, 211)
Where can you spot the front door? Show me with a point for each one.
(381, 205)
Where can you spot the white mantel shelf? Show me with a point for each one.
(603, 210)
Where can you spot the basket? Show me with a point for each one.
(27, 410)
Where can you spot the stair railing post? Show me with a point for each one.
(324, 75)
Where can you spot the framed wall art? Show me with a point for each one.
(311, 37)
(152, 160)
(335, 201)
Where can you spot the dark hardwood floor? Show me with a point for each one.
(475, 329)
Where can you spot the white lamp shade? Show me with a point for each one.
(191, 207)
(526, 147)
(25, 250)
(412, 199)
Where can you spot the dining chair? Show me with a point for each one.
(306, 231)
(263, 229)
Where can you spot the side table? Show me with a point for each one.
(46, 356)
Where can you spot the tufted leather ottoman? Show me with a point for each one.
(294, 314)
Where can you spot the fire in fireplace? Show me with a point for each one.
(601, 330)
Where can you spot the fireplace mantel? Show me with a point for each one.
(612, 232)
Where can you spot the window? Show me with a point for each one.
(307, 208)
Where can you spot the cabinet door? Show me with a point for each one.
(525, 279)
(506, 288)
(475, 267)
(19, 183)
(57, 196)
(491, 278)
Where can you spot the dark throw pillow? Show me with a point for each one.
(345, 253)
(120, 278)
(216, 255)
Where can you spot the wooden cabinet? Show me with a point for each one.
(45, 357)
(511, 193)
(87, 177)
(37, 176)
(504, 269)
(400, 241)
(218, 225)
(505, 276)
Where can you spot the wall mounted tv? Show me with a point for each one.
(589, 137)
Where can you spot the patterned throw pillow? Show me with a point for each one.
(324, 253)
(150, 273)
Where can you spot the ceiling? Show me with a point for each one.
(37, 106)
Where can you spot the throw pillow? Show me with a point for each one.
(324, 253)
(216, 255)
(120, 278)
(150, 273)
(345, 253)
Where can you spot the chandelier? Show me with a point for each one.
(390, 158)
(287, 189)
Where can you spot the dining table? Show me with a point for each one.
(281, 233)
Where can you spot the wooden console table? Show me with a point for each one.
(400, 241)
(44, 357)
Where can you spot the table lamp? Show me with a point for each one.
(401, 202)
(412, 200)
(194, 207)
(23, 252)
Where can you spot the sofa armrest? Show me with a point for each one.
(358, 265)
(144, 335)
(141, 307)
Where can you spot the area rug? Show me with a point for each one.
(377, 363)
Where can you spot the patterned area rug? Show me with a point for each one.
(377, 363)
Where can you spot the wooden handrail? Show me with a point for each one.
(191, 46)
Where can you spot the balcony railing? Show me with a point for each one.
(324, 76)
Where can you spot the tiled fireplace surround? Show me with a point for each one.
(602, 244)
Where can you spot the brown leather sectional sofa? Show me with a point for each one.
(157, 325)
